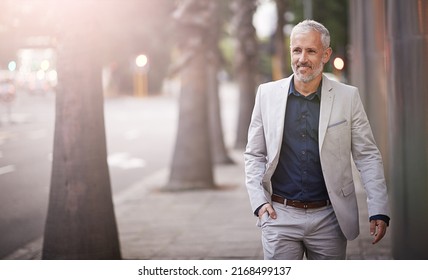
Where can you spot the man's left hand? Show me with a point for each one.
(378, 229)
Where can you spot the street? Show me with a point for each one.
(140, 139)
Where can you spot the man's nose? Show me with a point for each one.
(303, 57)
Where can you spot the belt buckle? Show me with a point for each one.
(305, 205)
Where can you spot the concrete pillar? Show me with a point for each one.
(407, 25)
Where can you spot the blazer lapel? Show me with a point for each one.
(280, 104)
(327, 97)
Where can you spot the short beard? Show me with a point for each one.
(309, 78)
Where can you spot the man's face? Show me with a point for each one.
(308, 55)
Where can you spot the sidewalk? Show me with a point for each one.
(207, 224)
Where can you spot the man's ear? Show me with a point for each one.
(326, 55)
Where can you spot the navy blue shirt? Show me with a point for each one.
(298, 175)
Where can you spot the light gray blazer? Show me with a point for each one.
(344, 134)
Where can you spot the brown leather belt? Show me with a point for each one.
(300, 204)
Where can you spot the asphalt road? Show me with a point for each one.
(140, 139)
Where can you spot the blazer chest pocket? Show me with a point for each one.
(336, 124)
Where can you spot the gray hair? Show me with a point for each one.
(312, 25)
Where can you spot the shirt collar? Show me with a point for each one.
(293, 91)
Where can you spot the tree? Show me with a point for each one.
(191, 166)
(80, 222)
(245, 65)
(218, 147)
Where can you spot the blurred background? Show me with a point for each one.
(30, 32)
(97, 95)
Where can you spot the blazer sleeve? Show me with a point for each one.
(368, 160)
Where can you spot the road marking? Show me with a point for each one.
(125, 161)
(7, 169)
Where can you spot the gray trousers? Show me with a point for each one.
(296, 232)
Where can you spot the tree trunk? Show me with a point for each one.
(80, 220)
(218, 147)
(245, 65)
(191, 166)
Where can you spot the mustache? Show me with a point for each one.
(304, 65)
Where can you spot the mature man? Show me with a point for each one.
(305, 131)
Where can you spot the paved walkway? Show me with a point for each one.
(208, 224)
